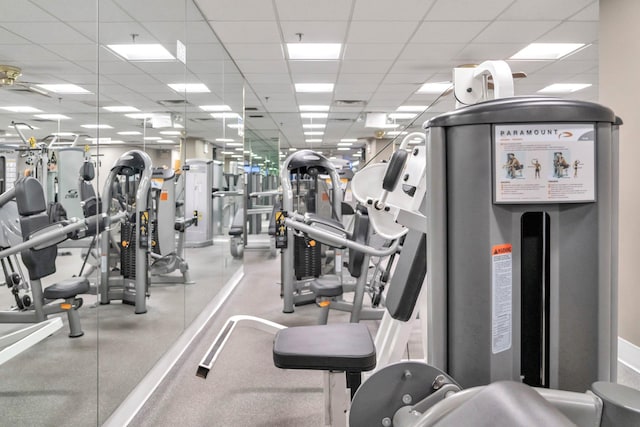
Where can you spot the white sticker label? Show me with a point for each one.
(501, 297)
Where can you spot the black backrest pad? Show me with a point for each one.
(360, 235)
(87, 171)
(29, 196)
(42, 262)
(408, 277)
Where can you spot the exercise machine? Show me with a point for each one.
(198, 199)
(124, 262)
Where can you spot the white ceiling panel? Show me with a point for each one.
(314, 67)
(192, 32)
(47, 32)
(345, 78)
(272, 89)
(514, 31)
(314, 98)
(314, 31)
(589, 13)
(415, 78)
(23, 12)
(428, 51)
(83, 11)
(73, 52)
(380, 31)
(539, 10)
(247, 31)
(116, 32)
(16, 54)
(425, 66)
(283, 78)
(365, 67)
(398, 10)
(528, 66)
(268, 67)
(467, 10)
(572, 32)
(567, 67)
(7, 37)
(150, 10)
(448, 32)
(314, 10)
(255, 51)
(237, 10)
(372, 51)
(205, 52)
(479, 52)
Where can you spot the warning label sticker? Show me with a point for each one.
(501, 297)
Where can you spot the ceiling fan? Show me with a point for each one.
(9, 75)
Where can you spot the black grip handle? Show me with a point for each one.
(392, 175)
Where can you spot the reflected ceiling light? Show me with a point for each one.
(130, 132)
(564, 87)
(348, 140)
(314, 126)
(189, 87)
(314, 115)
(234, 144)
(314, 133)
(178, 126)
(402, 116)
(52, 116)
(227, 153)
(436, 88)
(56, 134)
(21, 109)
(166, 141)
(235, 126)
(236, 156)
(547, 51)
(314, 50)
(139, 115)
(239, 149)
(170, 132)
(314, 107)
(98, 126)
(21, 126)
(121, 108)
(347, 144)
(141, 52)
(313, 140)
(224, 140)
(226, 115)
(314, 87)
(67, 88)
(210, 108)
(411, 108)
(293, 149)
(104, 141)
(344, 148)
(152, 138)
(389, 126)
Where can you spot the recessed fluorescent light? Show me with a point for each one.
(236, 156)
(151, 138)
(564, 87)
(234, 144)
(64, 88)
(314, 108)
(437, 87)
(210, 108)
(52, 116)
(189, 87)
(170, 132)
(226, 116)
(314, 87)
(130, 132)
(56, 134)
(313, 140)
(239, 149)
(22, 109)
(313, 133)
(314, 115)
(401, 116)
(314, 50)
(235, 126)
(347, 144)
(121, 109)
(227, 152)
(411, 108)
(548, 51)
(224, 140)
(314, 126)
(139, 115)
(21, 126)
(293, 149)
(141, 52)
(104, 141)
(344, 148)
(348, 140)
(166, 141)
(99, 126)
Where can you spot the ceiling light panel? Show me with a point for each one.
(215, 108)
(21, 109)
(52, 116)
(314, 87)
(564, 87)
(402, 116)
(141, 52)
(314, 126)
(411, 108)
(130, 132)
(98, 126)
(64, 88)
(314, 108)
(313, 140)
(121, 109)
(189, 87)
(547, 51)
(436, 88)
(314, 115)
(317, 51)
(226, 115)
(311, 133)
(348, 140)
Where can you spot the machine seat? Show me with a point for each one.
(327, 286)
(237, 225)
(67, 288)
(335, 347)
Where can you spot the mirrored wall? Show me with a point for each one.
(139, 106)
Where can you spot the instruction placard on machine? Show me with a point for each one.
(501, 297)
(544, 163)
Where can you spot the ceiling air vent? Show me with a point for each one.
(250, 108)
(173, 102)
(349, 103)
(256, 116)
(202, 119)
(341, 119)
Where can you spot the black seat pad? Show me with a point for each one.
(67, 288)
(327, 286)
(338, 347)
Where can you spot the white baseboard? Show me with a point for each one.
(629, 354)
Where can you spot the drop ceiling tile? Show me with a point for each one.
(365, 67)
(314, 31)
(271, 89)
(187, 33)
(589, 13)
(74, 52)
(314, 67)
(83, 11)
(399, 10)
(567, 67)
(205, 52)
(149, 10)
(528, 67)
(572, 32)
(413, 78)
(313, 10)
(47, 32)
(9, 38)
(345, 78)
(467, 10)
(268, 78)
(268, 67)
(314, 98)
(255, 51)
(115, 32)
(448, 32)
(440, 51)
(525, 10)
(479, 52)
(425, 66)
(234, 10)
(23, 12)
(247, 31)
(514, 31)
(380, 31)
(372, 51)
(17, 54)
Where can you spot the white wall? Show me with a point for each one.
(109, 155)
